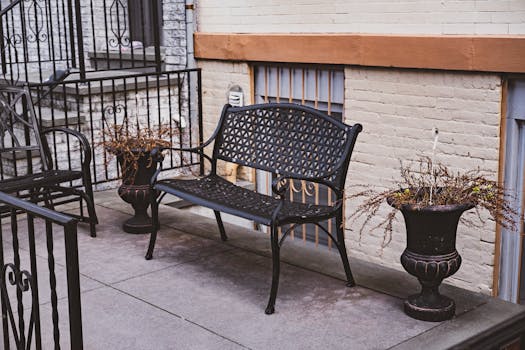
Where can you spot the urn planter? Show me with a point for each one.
(135, 190)
(431, 256)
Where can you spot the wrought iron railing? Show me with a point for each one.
(40, 39)
(92, 105)
(24, 324)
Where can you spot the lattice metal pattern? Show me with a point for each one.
(291, 139)
(249, 204)
(20, 145)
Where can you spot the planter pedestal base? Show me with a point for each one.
(138, 196)
(434, 308)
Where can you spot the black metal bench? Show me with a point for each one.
(288, 140)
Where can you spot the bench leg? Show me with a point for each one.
(221, 225)
(270, 309)
(90, 203)
(155, 224)
(341, 246)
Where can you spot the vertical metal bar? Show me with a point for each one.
(199, 115)
(290, 85)
(102, 108)
(17, 277)
(143, 26)
(5, 322)
(73, 286)
(187, 88)
(34, 276)
(168, 77)
(119, 38)
(52, 283)
(316, 105)
(24, 41)
(27, 135)
(179, 102)
(62, 45)
(266, 78)
(2, 46)
(92, 136)
(156, 34)
(303, 194)
(94, 38)
(71, 32)
(50, 33)
(278, 86)
(106, 31)
(39, 55)
(329, 196)
(303, 183)
(80, 40)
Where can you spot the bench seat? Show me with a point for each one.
(216, 193)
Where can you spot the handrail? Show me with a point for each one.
(37, 211)
(9, 7)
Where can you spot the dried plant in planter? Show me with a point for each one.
(133, 141)
(434, 184)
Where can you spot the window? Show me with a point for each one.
(141, 22)
(314, 86)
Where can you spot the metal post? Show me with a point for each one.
(73, 285)
(71, 33)
(199, 115)
(80, 40)
(2, 47)
(156, 34)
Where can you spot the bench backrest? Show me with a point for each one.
(287, 139)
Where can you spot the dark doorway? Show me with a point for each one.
(142, 22)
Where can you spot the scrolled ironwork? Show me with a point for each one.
(23, 281)
(36, 22)
(118, 12)
(114, 111)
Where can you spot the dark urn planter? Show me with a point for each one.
(431, 256)
(135, 190)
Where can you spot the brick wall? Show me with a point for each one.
(353, 16)
(398, 109)
(217, 79)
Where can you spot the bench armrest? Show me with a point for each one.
(84, 144)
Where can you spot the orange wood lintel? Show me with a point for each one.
(488, 53)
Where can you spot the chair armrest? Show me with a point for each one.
(84, 144)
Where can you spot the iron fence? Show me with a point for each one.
(46, 40)
(23, 322)
(93, 105)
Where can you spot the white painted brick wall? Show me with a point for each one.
(353, 16)
(398, 109)
(217, 78)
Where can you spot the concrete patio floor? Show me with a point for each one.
(201, 293)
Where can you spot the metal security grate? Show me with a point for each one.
(321, 87)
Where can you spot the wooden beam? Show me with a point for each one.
(447, 52)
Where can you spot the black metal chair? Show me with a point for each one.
(288, 140)
(26, 164)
